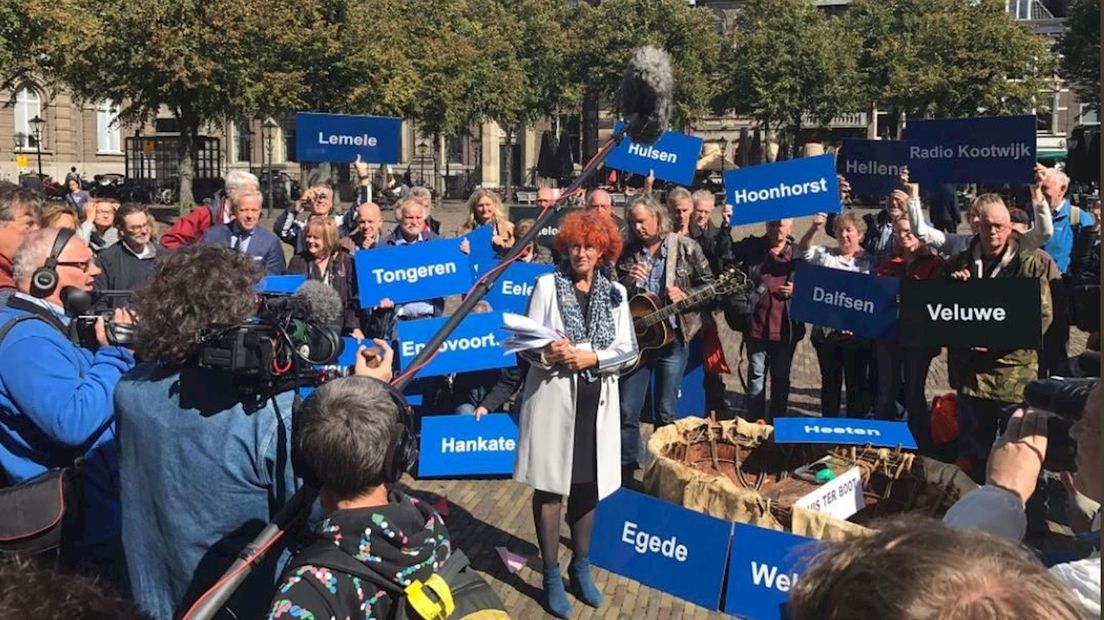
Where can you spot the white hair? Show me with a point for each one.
(704, 195)
(33, 252)
(238, 180)
(236, 197)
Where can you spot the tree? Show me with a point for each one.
(1079, 47)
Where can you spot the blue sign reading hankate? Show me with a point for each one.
(872, 166)
(850, 431)
(674, 157)
(763, 566)
(458, 445)
(783, 189)
(341, 137)
(475, 344)
(860, 303)
(972, 150)
(412, 272)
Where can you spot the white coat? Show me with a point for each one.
(547, 421)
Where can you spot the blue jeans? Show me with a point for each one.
(667, 365)
(777, 357)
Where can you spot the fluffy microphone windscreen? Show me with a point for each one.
(324, 301)
(646, 92)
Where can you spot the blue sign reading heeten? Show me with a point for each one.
(782, 189)
(849, 431)
(341, 137)
(972, 150)
(416, 272)
(474, 345)
(763, 566)
(458, 445)
(872, 166)
(674, 157)
(860, 303)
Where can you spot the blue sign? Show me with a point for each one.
(763, 566)
(458, 445)
(850, 431)
(661, 545)
(860, 303)
(972, 150)
(341, 137)
(348, 355)
(475, 344)
(872, 167)
(417, 272)
(783, 189)
(674, 157)
(691, 395)
(280, 284)
(481, 253)
(512, 289)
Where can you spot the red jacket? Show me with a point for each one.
(924, 267)
(7, 280)
(189, 229)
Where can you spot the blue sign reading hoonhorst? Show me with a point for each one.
(763, 566)
(674, 157)
(972, 150)
(280, 284)
(475, 344)
(458, 445)
(783, 189)
(512, 289)
(872, 166)
(661, 545)
(860, 303)
(850, 431)
(412, 272)
(341, 137)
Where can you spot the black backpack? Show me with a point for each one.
(739, 306)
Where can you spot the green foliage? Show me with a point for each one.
(1080, 50)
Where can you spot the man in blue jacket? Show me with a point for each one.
(243, 234)
(56, 397)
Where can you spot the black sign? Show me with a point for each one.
(548, 232)
(1001, 314)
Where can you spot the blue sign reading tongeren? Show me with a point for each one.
(763, 566)
(860, 303)
(458, 445)
(280, 284)
(341, 137)
(674, 157)
(972, 150)
(872, 166)
(475, 344)
(850, 431)
(512, 289)
(782, 189)
(661, 545)
(416, 272)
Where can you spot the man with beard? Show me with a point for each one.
(129, 263)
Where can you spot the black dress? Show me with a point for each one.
(584, 465)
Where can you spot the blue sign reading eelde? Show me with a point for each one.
(412, 272)
(475, 344)
(674, 157)
(458, 445)
(763, 566)
(860, 303)
(512, 289)
(782, 189)
(850, 431)
(972, 150)
(280, 284)
(341, 137)
(872, 166)
(661, 545)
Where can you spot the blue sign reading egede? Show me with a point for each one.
(512, 289)
(475, 344)
(280, 284)
(763, 566)
(850, 431)
(661, 545)
(860, 303)
(458, 445)
(341, 137)
(972, 150)
(872, 166)
(674, 157)
(403, 273)
(782, 189)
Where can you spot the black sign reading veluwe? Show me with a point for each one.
(1000, 314)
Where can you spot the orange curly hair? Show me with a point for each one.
(590, 227)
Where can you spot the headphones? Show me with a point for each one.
(44, 280)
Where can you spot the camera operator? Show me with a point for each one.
(55, 396)
(203, 465)
(1013, 471)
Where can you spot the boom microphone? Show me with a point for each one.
(646, 92)
(325, 303)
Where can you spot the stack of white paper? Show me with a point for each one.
(525, 333)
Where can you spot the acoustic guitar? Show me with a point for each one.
(654, 331)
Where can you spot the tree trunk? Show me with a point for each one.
(189, 128)
(509, 164)
(589, 125)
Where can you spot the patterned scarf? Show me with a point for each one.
(598, 329)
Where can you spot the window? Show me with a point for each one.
(1088, 115)
(28, 105)
(1020, 9)
(243, 141)
(287, 128)
(107, 127)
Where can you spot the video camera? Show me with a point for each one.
(1064, 397)
(78, 303)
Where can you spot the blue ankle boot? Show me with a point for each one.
(555, 595)
(582, 583)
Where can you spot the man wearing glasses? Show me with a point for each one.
(128, 263)
(56, 404)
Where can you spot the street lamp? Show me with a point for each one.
(36, 126)
(422, 148)
(269, 127)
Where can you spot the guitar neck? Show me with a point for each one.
(667, 311)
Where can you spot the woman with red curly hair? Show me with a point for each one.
(570, 422)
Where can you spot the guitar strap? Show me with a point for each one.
(672, 260)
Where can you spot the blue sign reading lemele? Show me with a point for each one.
(412, 272)
(512, 289)
(341, 137)
(860, 303)
(782, 189)
(475, 344)
(972, 150)
(849, 431)
(661, 545)
(674, 157)
(872, 166)
(763, 566)
(458, 445)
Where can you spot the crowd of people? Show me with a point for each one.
(180, 469)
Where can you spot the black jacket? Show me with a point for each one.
(716, 244)
(122, 271)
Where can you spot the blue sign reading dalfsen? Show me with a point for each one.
(475, 344)
(458, 445)
(860, 303)
(783, 189)
(341, 137)
(763, 566)
(674, 157)
(416, 272)
(849, 431)
(872, 166)
(972, 150)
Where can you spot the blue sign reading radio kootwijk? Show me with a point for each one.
(341, 137)
(512, 289)
(972, 150)
(783, 189)
(474, 345)
(860, 303)
(661, 545)
(763, 566)
(674, 157)
(872, 166)
(412, 272)
(850, 431)
(458, 445)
